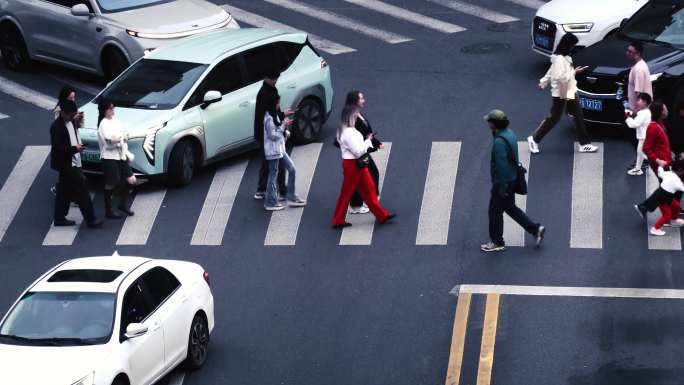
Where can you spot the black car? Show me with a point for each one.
(659, 25)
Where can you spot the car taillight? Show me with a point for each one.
(323, 63)
(206, 277)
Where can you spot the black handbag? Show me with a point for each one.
(520, 184)
(363, 161)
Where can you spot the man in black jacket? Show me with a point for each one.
(65, 158)
(268, 90)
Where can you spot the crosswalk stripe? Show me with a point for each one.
(136, 229)
(259, 21)
(19, 182)
(361, 233)
(410, 16)
(65, 235)
(3, 116)
(672, 239)
(282, 230)
(213, 219)
(340, 21)
(474, 10)
(534, 4)
(514, 235)
(586, 226)
(26, 94)
(435, 210)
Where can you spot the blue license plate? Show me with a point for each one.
(542, 41)
(591, 104)
(90, 156)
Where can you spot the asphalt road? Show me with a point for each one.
(319, 312)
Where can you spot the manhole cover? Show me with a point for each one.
(485, 48)
(514, 26)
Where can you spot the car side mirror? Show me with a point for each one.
(135, 330)
(211, 97)
(80, 10)
(623, 22)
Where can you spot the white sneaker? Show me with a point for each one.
(359, 210)
(635, 172)
(277, 207)
(675, 223)
(657, 232)
(534, 147)
(588, 148)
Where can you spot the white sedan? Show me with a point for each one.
(589, 20)
(107, 320)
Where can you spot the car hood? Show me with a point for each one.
(170, 17)
(32, 365)
(584, 11)
(608, 56)
(134, 121)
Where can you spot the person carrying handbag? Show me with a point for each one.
(508, 178)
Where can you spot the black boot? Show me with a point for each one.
(109, 212)
(124, 204)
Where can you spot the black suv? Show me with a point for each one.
(659, 25)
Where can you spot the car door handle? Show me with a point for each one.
(156, 326)
(291, 86)
(244, 105)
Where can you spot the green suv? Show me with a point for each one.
(192, 103)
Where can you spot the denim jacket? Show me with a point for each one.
(274, 138)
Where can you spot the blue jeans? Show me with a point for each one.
(272, 183)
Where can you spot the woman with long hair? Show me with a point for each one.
(561, 76)
(115, 157)
(357, 99)
(354, 151)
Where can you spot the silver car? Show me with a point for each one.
(99, 36)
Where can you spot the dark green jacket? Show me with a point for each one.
(502, 169)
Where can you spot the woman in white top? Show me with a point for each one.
(561, 76)
(356, 176)
(114, 157)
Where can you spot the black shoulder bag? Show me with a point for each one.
(520, 185)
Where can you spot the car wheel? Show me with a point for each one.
(182, 164)
(113, 63)
(308, 121)
(198, 343)
(13, 47)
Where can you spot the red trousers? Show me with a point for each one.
(668, 211)
(360, 180)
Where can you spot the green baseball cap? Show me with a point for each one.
(496, 115)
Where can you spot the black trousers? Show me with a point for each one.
(658, 197)
(263, 173)
(356, 200)
(499, 205)
(71, 187)
(557, 107)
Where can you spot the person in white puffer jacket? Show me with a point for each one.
(115, 159)
(561, 77)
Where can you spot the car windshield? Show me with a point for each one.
(67, 318)
(122, 5)
(153, 84)
(659, 22)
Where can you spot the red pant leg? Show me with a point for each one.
(674, 209)
(665, 217)
(367, 190)
(349, 185)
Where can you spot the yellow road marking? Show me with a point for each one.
(484, 370)
(458, 339)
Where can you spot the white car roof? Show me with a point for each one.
(123, 264)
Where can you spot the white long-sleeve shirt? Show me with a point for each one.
(640, 122)
(671, 181)
(561, 76)
(352, 144)
(109, 136)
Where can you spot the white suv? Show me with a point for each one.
(589, 20)
(99, 36)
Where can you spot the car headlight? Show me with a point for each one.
(655, 77)
(87, 380)
(148, 143)
(578, 27)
